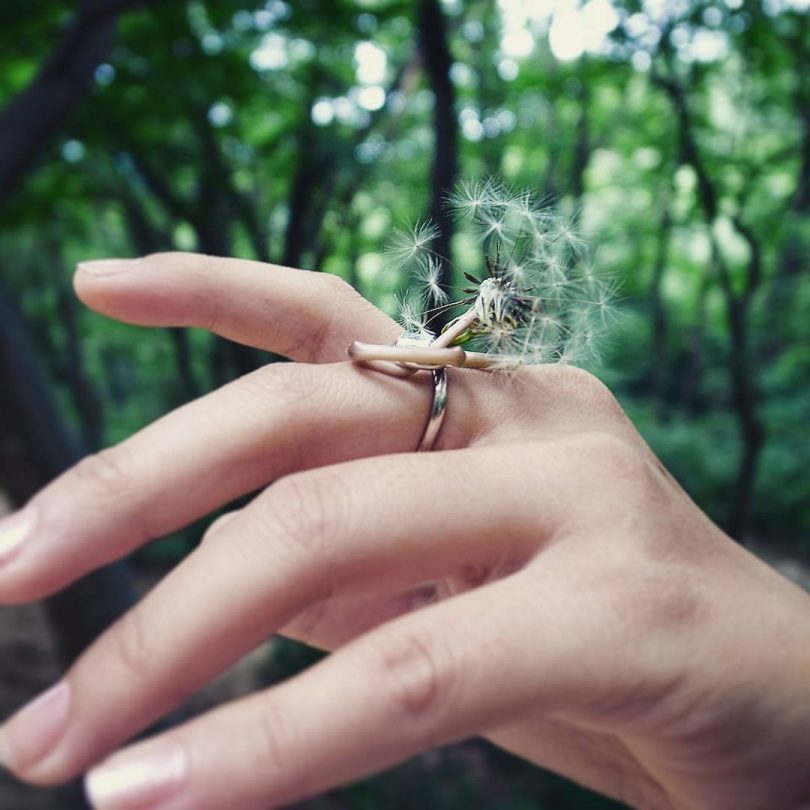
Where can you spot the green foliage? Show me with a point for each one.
(258, 129)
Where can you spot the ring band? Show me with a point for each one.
(438, 409)
(412, 353)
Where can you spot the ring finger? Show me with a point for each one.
(359, 527)
(279, 419)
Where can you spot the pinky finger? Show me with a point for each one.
(428, 678)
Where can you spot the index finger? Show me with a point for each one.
(306, 316)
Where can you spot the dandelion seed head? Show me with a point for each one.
(502, 340)
(543, 298)
(499, 305)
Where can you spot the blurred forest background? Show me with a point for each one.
(303, 132)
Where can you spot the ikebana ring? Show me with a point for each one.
(412, 352)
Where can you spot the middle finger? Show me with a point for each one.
(279, 419)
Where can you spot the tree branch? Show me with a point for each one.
(435, 49)
(30, 119)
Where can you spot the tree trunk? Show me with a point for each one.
(658, 313)
(30, 119)
(435, 49)
(752, 432)
(35, 447)
(147, 239)
(582, 146)
(740, 365)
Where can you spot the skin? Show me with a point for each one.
(539, 579)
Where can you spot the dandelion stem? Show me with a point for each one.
(458, 328)
(482, 360)
(423, 356)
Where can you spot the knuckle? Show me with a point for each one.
(658, 597)
(272, 738)
(309, 511)
(670, 596)
(348, 312)
(335, 285)
(589, 388)
(105, 473)
(314, 340)
(616, 453)
(349, 300)
(413, 681)
(212, 312)
(129, 638)
(619, 463)
(625, 483)
(288, 384)
(575, 386)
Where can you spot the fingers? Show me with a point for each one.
(436, 676)
(281, 418)
(363, 527)
(311, 317)
(331, 623)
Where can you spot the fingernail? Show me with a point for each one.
(31, 733)
(107, 267)
(14, 530)
(136, 781)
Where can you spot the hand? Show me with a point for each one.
(597, 622)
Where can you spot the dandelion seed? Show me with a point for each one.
(604, 302)
(412, 312)
(541, 298)
(428, 273)
(516, 272)
(492, 224)
(523, 203)
(468, 198)
(407, 246)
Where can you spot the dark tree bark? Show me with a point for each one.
(658, 312)
(741, 365)
(35, 444)
(212, 218)
(85, 396)
(214, 215)
(35, 447)
(582, 146)
(793, 252)
(694, 360)
(688, 146)
(311, 172)
(30, 119)
(801, 56)
(350, 180)
(147, 239)
(743, 382)
(435, 49)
